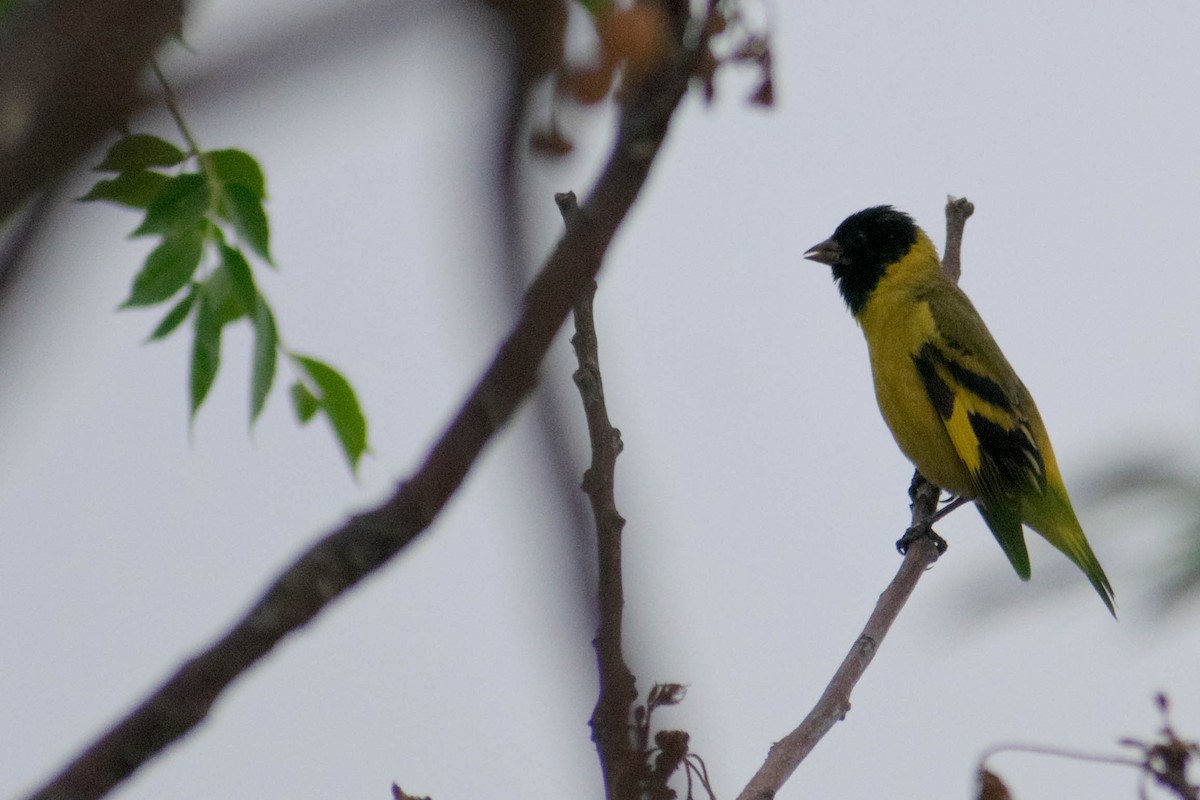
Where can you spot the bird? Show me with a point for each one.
(954, 404)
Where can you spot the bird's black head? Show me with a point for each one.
(861, 249)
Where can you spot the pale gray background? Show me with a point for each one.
(762, 490)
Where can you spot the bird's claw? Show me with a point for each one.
(917, 532)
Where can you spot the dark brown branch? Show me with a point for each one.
(611, 729)
(69, 72)
(368, 540)
(785, 755)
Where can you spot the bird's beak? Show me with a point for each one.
(827, 252)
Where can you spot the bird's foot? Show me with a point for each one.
(918, 532)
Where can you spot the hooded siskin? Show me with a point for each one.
(956, 407)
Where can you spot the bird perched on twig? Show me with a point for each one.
(956, 407)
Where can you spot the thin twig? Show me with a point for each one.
(622, 758)
(958, 211)
(611, 729)
(172, 104)
(785, 755)
(1164, 762)
(369, 540)
(1059, 752)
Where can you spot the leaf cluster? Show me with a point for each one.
(206, 218)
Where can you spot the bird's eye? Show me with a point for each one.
(858, 238)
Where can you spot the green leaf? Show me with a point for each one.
(304, 402)
(174, 317)
(225, 300)
(248, 217)
(338, 401)
(135, 188)
(139, 151)
(237, 167)
(168, 269)
(241, 277)
(266, 345)
(180, 203)
(206, 349)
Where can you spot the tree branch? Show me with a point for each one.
(610, 720)
(958, 211)
(785, 755)
(69, 72)
(368, 540)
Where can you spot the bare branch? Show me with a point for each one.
(785, 755)
(958, 211)
(1058, 752)
(611, 730)
(368, 540)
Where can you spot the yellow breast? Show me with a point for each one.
(897, 321)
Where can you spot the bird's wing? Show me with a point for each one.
(980, 400)
(996, 430)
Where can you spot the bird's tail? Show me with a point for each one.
(1051, 515)
(1005, 525)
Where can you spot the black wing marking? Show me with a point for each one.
(992, 436)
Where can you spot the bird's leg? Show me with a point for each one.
(926, 528)
(924, 493)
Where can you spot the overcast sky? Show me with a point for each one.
(762, 490)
